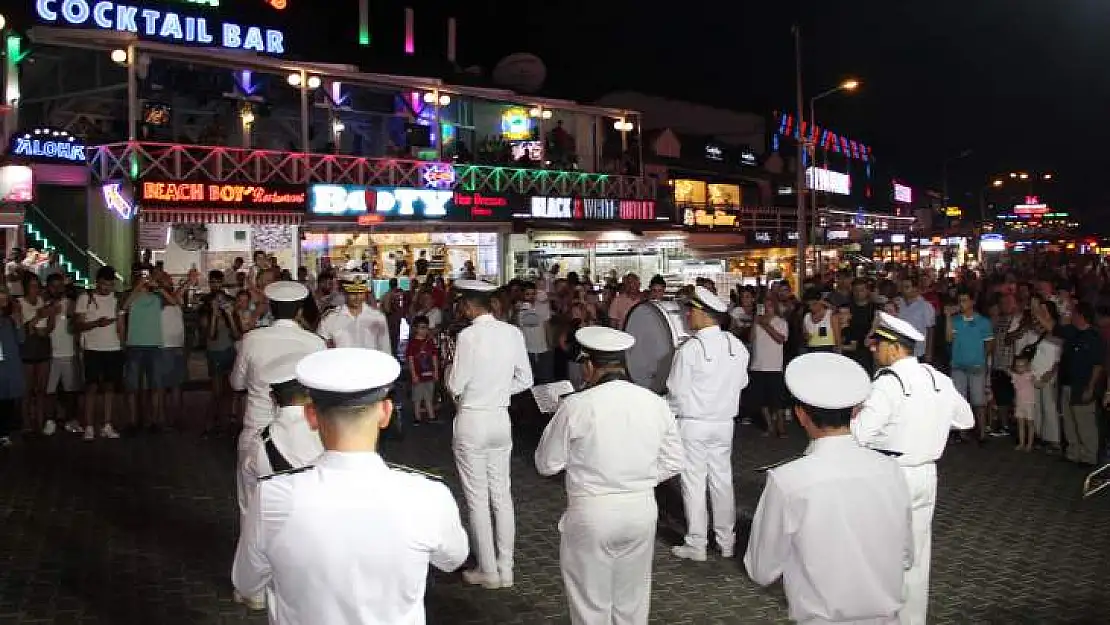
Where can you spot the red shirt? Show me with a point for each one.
(421, 353)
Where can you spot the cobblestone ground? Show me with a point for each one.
(141, 531)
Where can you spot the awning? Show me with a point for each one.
(220, 216)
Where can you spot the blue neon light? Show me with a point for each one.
(169, 26)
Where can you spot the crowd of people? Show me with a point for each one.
(1018, 351)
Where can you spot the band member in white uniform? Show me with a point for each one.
(288, 442)
(491, 365)
(356, 324)
(835, 523)
(911, 412)
(616, 441)
(347, 540)
(259, 349)
(708, 372)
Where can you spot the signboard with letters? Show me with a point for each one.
(710, 218)
(820, 179)
(371, 205)
(160, 24)
(588, 209)
(48, 145)
(902, 193)
(153, 193)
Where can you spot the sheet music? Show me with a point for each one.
(547, 395)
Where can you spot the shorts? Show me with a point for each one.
(424, 392)
(972, 384)
(766, 389)
(172, 367)
(220, 362)
(63, 376)
(1023, 412)
(1002, 388)
(104, 367)
(142, 367)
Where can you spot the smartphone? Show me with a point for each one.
(823, 331)
(145, 273)
(760, 309)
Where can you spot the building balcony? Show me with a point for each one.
(177, 162)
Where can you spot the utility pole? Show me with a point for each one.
(800, 186)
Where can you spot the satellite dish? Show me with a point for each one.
(521, 72)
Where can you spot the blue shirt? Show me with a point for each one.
(968, 341)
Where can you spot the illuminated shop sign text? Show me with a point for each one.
(828, 181)
(230, 195)
(48, 144)
(591, 209)
(902, 193)
(168, 26)
(351, 201)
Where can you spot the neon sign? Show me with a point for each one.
(516, 124)
(16, 183)
(591, 209)
(902, 193)
(229, 195)
(352, 201)
(828, 181)
(48, 144)
(439, 175)
(114, 200)
(168, 26)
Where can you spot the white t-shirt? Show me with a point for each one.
(173, 326)
(29, 311)
(61, 341)
(95, 307)
(766, 351)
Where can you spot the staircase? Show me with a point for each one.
(44, 234)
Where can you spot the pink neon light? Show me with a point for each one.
(410, 42)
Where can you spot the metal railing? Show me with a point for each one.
(55, 237)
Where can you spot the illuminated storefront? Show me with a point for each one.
(386, 230)
(595, 238)
(206, 226)
(943, 253)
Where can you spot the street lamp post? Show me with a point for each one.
(847, 85)
(800, 185)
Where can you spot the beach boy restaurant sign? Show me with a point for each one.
(160, 24)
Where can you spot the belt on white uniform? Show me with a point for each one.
(627, 495)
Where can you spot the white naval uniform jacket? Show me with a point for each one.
(347, 541)
(836, 526)
(707, 375)
(291, 435)
(612, 439)
(258, 349)
(491, 365)
(911, 412)
(369, 330)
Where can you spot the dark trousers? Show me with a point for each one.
(9, 416)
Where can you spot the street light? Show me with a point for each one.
(119, 57)
(1023, 176)
(848, 85)
(998, 183)
(1047, 176)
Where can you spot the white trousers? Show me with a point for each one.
(708, 446)
(605, 557)
(1046, 415)
(922, 481)
(483, 445)
(244, 483)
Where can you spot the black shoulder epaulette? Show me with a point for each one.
(885, 371)
(289, 472)
(403, 469)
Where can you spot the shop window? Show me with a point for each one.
(724, 195)
(689, 192)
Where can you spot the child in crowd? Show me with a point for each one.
(422, 356)
(1022, 378)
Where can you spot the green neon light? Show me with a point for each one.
(364, 36)
(133, 167)
(14, 48)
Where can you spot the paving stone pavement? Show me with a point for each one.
(142, 530)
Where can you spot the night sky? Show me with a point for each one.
(1020, 83)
